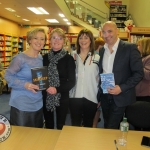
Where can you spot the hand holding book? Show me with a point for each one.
(40, 77)
(115, 90)
(32, 87)
(107, 81)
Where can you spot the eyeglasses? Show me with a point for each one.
(57, 38)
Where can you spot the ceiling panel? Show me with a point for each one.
(21, 9)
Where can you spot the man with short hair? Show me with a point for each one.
(124, 61)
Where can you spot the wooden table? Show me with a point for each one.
(24, 138)
(79, 138)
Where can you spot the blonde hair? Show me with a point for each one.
(33, 32)
(145, 44)
(59, 31)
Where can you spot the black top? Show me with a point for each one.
(66, 70)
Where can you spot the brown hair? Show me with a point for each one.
(99, 41)
(33, 32)
(145, 44)
(59, 31)
(90, 35)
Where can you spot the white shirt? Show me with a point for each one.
(108, 59)
(87, 77)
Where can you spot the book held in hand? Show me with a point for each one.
(40, 77)
(107, 81)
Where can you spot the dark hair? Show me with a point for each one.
(90, 35)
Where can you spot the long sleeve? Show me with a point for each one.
(11, 76)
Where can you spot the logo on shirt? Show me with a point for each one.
(5, 128)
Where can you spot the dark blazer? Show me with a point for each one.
(128, 71)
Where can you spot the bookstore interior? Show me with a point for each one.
(13, 41)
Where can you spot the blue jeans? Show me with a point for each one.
(112, 114)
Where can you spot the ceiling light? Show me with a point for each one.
(38, 10)
(68, 23)
(65, 19)
(61, 15)
(25, 19)
(52, 20)
(17, 15)
(9, 9)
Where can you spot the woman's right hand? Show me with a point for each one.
(51, 90)
(31, 87)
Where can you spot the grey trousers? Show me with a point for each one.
(25, 118)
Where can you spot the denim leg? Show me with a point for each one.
(112, 114)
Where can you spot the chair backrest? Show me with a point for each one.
(138, 114)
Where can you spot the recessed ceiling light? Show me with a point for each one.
(65, 19)
(52, 20)
(68, 23)
(25, 19)
(9, 9)
(38, 10)
(17, 15)
(61, 15)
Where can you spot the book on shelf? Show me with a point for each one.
(40, 77)
(107, 81)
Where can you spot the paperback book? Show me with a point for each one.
(40, 77)
(107, 81)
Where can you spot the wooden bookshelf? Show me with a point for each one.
(14, 46)
(138, 33)
(20, 44)
(118, 14)
(2, 49)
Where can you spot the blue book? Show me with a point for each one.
(107, 81)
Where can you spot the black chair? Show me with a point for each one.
(138, 115)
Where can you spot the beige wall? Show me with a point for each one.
(24, 31)
(140, 11)
(9, 27)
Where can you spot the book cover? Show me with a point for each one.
(107, 81)
(40, 77)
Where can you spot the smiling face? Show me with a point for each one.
(37, 42)
(110, 33)
(57, 41)
(84, 42)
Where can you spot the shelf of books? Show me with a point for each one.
(9, 46)
(20, 44)
(138, 33)
(7, 50)
(14, 46)
(71, 40)
(2, 49)
(118, 14)
(47, 46)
